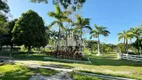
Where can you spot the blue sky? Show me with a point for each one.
(116, 15)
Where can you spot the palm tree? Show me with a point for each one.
(137, 31)
(80, 24)
(99, 30)
(126, 35)
(60, 18)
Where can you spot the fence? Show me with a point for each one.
(131, 57)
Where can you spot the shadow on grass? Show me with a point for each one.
(107, 59)
(20, 74)
(58, 66)
(106, 74)
(23, 73)
(40, 57)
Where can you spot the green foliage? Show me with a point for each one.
(4, 7)
(3, 28)
(137, 33)
(3, 18)
(126, 35)
(99, 30)
(8, 40)
(138, 45)
(23, 48)
(80, 24)
(3, 25)
(29, 30)
(60, 16)
(108, 47)
(34, 1)
(65, 3)
(90, 47)
(133, 33)
(120, 48)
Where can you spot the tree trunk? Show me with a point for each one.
(99, 53)
(141, 46)
(124, 45)
(81, 41)
(137, 43)
(58, 43)
(38, 50)
(1, 47)
(29, 49)
(66, 39)
(11, 50)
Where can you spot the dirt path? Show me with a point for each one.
(59, 76)
(63, 75)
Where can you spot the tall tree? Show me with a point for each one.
(126, 35)
(10, 27)
(29, 30)
(99, 30)
(3, 29)
(60, 17)
(80, 24)
(136, 33)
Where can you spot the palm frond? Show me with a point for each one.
(105, 32)
(52, 14)
(50, 25)
(61, 25)
(57, 9)
(93, 31)
(88, 27)
(120, 37)
(75, 29)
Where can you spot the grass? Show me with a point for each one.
(40, 57)
(107, 64)
(76, 76)
(21, 72)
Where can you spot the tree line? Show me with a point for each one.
(132, 40)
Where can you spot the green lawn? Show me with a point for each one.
(83, 77)
(107, 64)
(20, 72)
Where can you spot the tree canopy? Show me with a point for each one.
(29, 30)
(65, 3)
(3, 6)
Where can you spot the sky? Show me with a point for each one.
(116, 15)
